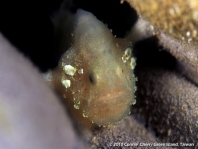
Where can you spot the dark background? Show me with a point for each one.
(27, 24)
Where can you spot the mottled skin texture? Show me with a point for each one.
(105, 90)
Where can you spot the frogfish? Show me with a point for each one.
(95, 73)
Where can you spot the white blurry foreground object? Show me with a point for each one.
(31, 116)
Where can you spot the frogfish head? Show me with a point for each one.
(95, 75)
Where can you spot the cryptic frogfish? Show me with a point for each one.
(95, 74)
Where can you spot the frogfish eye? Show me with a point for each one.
(92, 78)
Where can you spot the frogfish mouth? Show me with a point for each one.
(95, 74)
